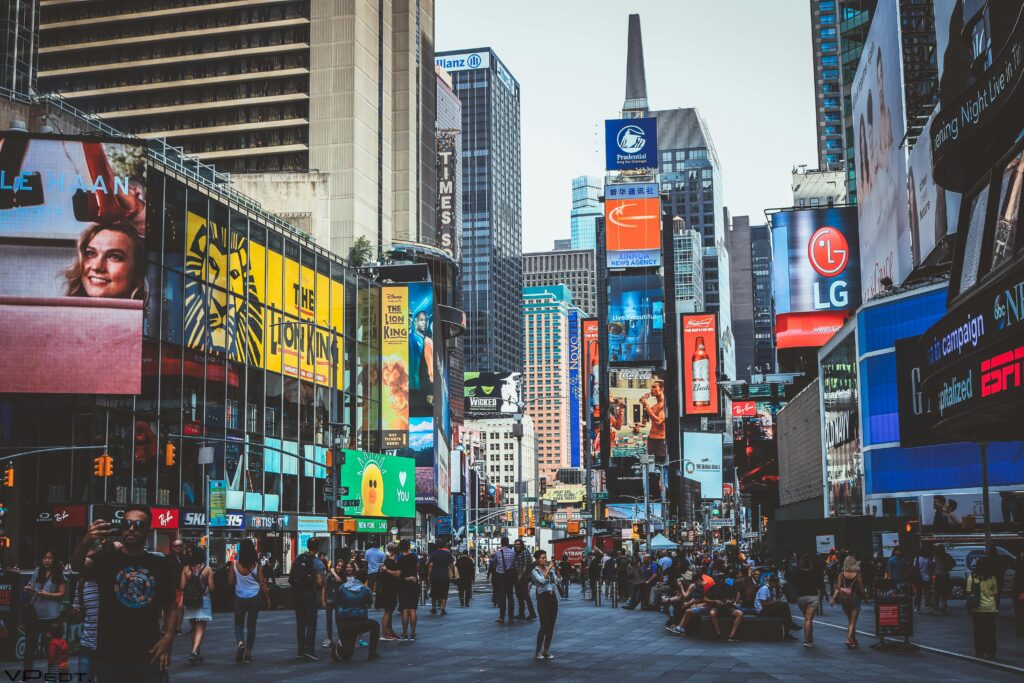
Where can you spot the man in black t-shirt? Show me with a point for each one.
(409, 589)
(136, 588)
(440, 582)
(387, 591)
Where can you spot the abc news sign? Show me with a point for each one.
(823, 259)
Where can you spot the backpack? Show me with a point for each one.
(192, 596)
(301, 575)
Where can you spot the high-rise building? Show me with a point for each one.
(753, 307)
(19, 38)
(329, 104)
(500, 451)
(492, 227)
(586, 211)
(812, 187)
(688, 252)
(546, 385)
(838, 31)
(575, 268)
(920, 64)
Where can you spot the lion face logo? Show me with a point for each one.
(219, 316)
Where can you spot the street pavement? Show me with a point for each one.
(590, 642)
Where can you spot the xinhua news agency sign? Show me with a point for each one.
(630, 144)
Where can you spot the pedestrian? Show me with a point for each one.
(43, 594)
(306, 579)
(333, 577)
(387, 591)
(635, 576)
(137, 589)
(409, 590)
(544, 577)
(57, 653)
(565, 574)
(983, 604)
(921, 575)
(86, 603)
(441, 570)
(246, 579)
(808, 585)
(492, 578)
(608, 566)
(350, 612)
(196, 583)
(180, 562)
(467, 572)
(1017, 594)
(944, 564)
(374, 558)
(769, 602)
(897, 565)
(521, 567)
(504, 580)
(594, 574)
(849, 592)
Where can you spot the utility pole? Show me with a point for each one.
(517, 431)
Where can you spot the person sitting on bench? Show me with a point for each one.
(728, 597)
(769, 602)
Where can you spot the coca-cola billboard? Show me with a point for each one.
(699, 361)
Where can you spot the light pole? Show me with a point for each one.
(517, 431)
(478, 467)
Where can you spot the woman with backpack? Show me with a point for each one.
(196, 589)
(250, 588)
(983, 604)
(41, 604)
(849, 591)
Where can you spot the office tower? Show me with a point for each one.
(753, 308)
(19, 36)
(500, 451)
(321, 110)
(492, 227)
(838, 31)
(576, 269)
(812, 187)
(546, 385)
(586, 211)
(689, 267)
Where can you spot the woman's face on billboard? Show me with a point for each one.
(108, 265)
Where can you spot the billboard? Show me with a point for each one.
(702, 461)
(575, 389)
(378, 485)
(422, 366)
(630, 144)
(395, 378)
(447, 170)
(632, 191)
(960, 512)
(933, 209)
(636, 412)
(633, 232)
(879, 128)
(636, 318)
(816, 260)
(73, 280)
(699, 361)
(491, 394)
(592, 376)
(463, 62)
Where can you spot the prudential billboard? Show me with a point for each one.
(630, 144)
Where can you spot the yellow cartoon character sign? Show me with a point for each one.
(372, 488)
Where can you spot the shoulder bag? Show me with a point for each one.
(845, 591)
(974, 598)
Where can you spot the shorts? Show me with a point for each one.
(942, 585)
(439, 588)
(387, 600)
(408, 596)
(805, 601)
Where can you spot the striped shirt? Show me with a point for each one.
(88, 600)
(503, 559)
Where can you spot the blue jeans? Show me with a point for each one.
(306, 608)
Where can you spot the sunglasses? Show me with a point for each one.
(135, 524)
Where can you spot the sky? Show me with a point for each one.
(744, 64)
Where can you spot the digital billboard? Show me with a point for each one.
(815, 259)
(636, 412)
(575, 388)
(395, 378)
(378, 485)
(699, 361)
(633, 232)
(636, 318)
(630, 144)
(702, 461)
(879, 128)
(420, 298)
(491, 394)
(592, 377)
(73, 275)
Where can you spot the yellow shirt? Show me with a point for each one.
(989, 591)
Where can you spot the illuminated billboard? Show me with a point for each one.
(73, 280)
(631, 143)
(636, 318)
(378, 485)
(702, 461)
(633, 232)
(699, 361)
(491, 394)
(636, 412)
(592, 376)
(575, 388)
(395, 379)
(816, 260)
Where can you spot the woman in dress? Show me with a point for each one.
(850, 592)
(196, 588)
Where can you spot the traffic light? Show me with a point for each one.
(716, 508)
(508, 516)
(543, 485)
(572, 527)
(170, 451)
(103, 466)
(5, 542)
(203, 541)
(522, 531)
(332, 524)
(329, 459)
(9, 477)
(530, 517)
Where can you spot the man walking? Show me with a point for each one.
(306, 579)
(522, 565)
(438, 569)
(136, 590)
(467, 572)
(504, 581)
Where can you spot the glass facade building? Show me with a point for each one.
(492, 218)
(586, 211)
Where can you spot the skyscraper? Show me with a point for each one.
(492, 227)
(575, 268)
(546, 385)
(688, 254)
(586, 211)
(323, 111)
(750, 260)
(19, 37)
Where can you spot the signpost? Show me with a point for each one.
(894, 614)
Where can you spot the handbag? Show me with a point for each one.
(845, 592)
(974, 599)
(453, 573)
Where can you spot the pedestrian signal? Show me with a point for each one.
(169, 454)
(103, 466)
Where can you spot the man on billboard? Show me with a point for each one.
(421, 359)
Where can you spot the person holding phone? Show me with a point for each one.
(544, 577)
(137, 592)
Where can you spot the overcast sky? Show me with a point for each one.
(745, 64)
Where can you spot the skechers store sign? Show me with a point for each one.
(630, 144)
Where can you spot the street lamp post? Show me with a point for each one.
(517, 431)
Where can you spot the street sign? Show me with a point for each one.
(366, 525)
(751, 536)
(529, 499)
(349, 502)
(719, 523)
(601, 495)
(585, 515)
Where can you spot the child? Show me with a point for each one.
(57, 650)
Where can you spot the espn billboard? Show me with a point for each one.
(699, 361)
